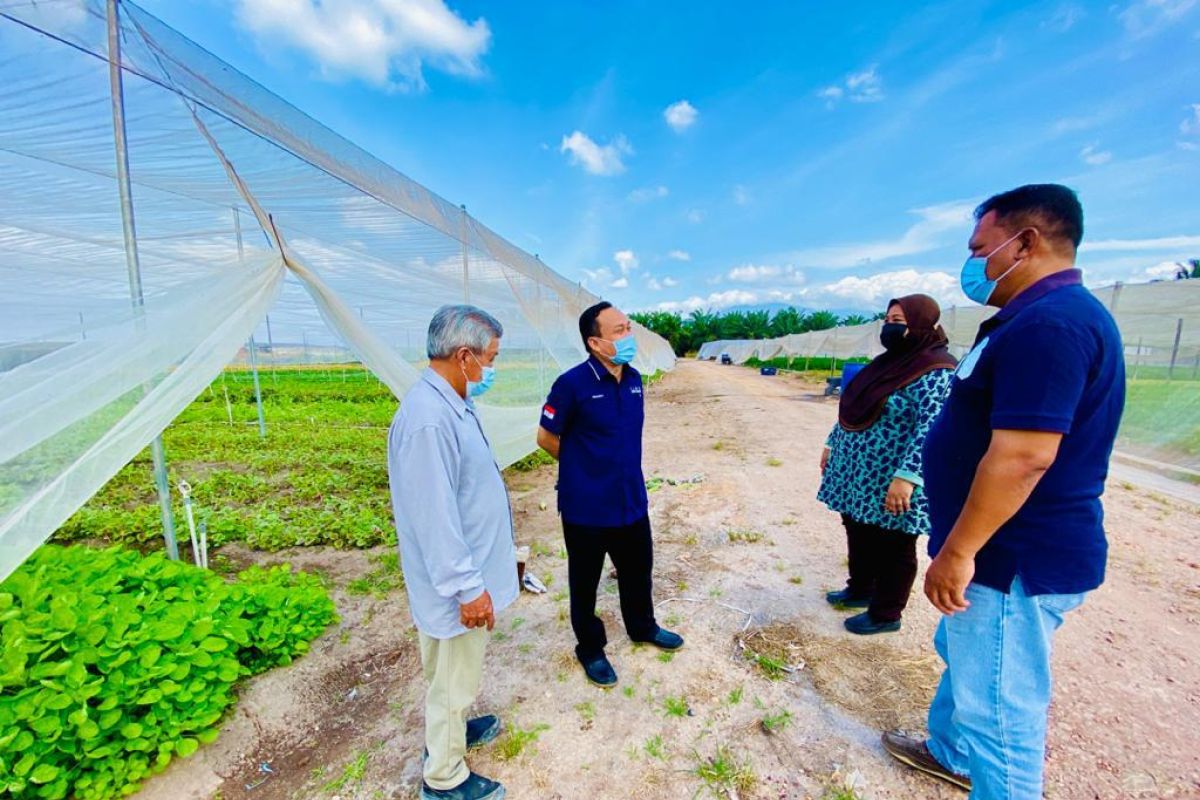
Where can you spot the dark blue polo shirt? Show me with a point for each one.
(600, 479)
(1050, 360)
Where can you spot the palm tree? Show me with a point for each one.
(855, 319)
(786, 321)
(822, 320)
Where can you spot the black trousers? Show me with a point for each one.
(883, 565)
(632, 551)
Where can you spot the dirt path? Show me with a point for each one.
(744, 555)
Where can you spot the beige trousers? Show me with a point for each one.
(453, 669)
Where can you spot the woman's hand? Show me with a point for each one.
(824, 460)
(899, 497)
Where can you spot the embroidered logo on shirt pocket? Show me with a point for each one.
(967, 365)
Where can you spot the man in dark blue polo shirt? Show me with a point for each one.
(592, 423)
(1014, 469)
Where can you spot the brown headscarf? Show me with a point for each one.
(923, 351)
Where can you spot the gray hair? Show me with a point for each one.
(453, 327)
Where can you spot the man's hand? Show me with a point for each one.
(478, 612)
(824, 460)
(899, 497)
(946, 581)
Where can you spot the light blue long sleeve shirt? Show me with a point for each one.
(453, 518)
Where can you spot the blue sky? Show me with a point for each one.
(683, 155)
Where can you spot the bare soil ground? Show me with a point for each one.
(743, 559)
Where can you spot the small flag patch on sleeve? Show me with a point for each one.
(548, 411)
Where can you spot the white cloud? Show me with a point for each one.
(653, 284)
(669, 282)
(648, 193)
(740, 195)
(716, 300)
(679, 255)
(1191, 125)
(1161, 243)
(865, 86)
(595, 278)
(681, 115)
(620, 283)
(924, 235)
(859, 87)
(626, 260)
(1064, 18)
(595, 158)
(1144, 18)
(765, 273)
(695, 216)
(1164, 270)
(385, 42)
(1094, 157)
(870, 293)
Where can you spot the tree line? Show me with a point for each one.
(686, 334)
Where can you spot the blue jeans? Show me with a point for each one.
(988, 718)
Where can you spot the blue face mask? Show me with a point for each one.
(626, 349)
(486, 379)
(975, 282)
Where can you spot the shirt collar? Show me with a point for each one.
(443, 387)
(598, 368)
(1048, 284)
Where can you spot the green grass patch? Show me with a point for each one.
(724, 773)
(514, 742)
(380, 582)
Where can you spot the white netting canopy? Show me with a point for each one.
(241, 207)
(1160, 323)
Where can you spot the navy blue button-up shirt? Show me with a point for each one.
(1050, 360)
(599, 421)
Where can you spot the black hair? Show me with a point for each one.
(1051, 208)
(588, 326)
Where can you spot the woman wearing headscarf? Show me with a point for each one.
(871, 465)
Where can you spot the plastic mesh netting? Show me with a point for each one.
(244, 210)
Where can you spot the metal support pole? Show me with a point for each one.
(1112, 305)
(1175, 349)
(466, 262)
(252, 346)
(82, 327)
(117, 88)
(1137, 358)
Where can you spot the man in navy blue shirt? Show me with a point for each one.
(592, 423)
(1014, 469)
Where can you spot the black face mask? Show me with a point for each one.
(892, 335)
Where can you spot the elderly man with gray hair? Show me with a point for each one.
(456, 540)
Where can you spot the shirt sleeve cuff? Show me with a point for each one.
(471, 593)
(1048, 423)
(911, 477)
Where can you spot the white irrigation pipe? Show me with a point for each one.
(185, 490)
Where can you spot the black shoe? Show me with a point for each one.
(482, 730)
(915, 754)
(863, 625)
(600, 672)
(475, 787)
(844, 599)
(664, 640)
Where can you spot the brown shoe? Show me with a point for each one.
(915, 754)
